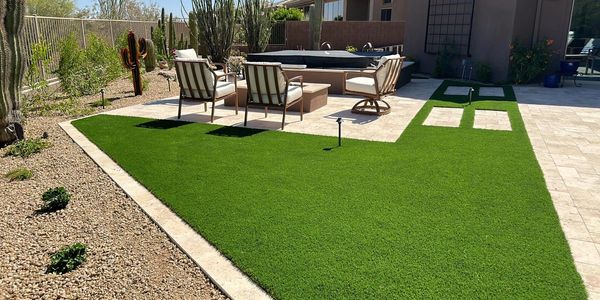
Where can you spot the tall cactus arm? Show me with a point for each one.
(125, 59)
(143, 50)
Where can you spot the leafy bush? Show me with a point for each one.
(34, 78)
(86, 71)
(288, 14)
(527, 64)
(67, 259)
(55, 199)
(483, 72)
(28, 147)
(443, 63)
(19, 174)
(351, 48)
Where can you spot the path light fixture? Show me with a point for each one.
(471, 91)
(102, 92)
(339, 121)
(169, 83)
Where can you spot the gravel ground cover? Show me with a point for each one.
(128, 255)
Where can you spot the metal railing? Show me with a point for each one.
(53, 30)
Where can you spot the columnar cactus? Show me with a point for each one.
(172, 36)
(150, 60)
(193, 25)
(131, 60)
(315, 19)
(11, 68)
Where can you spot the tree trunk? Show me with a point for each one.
(11, 66)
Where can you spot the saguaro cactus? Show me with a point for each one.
(11, 68)
(315, 19)
(131, 60)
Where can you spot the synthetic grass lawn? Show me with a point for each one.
(442, 213)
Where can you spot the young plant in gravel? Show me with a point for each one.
(19, 174)
(28, 147)
(55, 199)
(67, 259)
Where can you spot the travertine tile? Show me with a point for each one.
(492, 120)
(491, 92)
(457, 90)
(444, 117)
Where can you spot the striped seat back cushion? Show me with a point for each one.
(266, 83)
(195, 77)
(388, 72)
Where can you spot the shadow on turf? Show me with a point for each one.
(238, 132)
(162, 124)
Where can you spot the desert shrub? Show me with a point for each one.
(67, 258)
(529, 63)
(443, 63)
(86, 71)
(235, 63)
(34, 78)
(28, 147)
(287, 14)
(19, 174)
(55, 199)
(145, 84)
(483, 72)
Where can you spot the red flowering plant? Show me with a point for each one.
(528, 63)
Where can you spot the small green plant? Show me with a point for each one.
(236, 63)
(55, 199)
(287, 14)
(67, 259)
(529, 63)
(351, 49)
(19, 174)
(443, 63)
(28, 147)
(483, 72)
(145, 84)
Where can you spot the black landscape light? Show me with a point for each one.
(102, 92)
(169, 83)
(471, 91)
(339, 121)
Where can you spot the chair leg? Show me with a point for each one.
(283, 119)
(179, 110)
(246, 116)
(302, 109)
(266, 112)
(236, 103)
(212, 113)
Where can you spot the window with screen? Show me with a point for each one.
(386, 15)
(449, 26)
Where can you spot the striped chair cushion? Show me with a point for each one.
(196, 78)
(266, 83)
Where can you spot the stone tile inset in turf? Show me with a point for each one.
(457, 91)
(492, 120)
(444, 117)
(491, 92)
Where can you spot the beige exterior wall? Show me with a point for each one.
(398, 9)
(496, 24)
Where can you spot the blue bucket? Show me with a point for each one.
(552, 81)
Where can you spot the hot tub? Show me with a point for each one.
(319, 58)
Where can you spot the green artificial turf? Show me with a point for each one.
(441, 213)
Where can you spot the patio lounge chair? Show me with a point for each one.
(268, 87)
(199, 82)
(190, 54)
(374, 85)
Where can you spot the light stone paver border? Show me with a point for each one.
(454, 90)
(228, 278)
(492, 120)
(491, 92)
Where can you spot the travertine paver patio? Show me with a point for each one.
(564, 128)
(388, 128)
(491, 92)
(492, 120)
(457, 90)
(444, 117)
